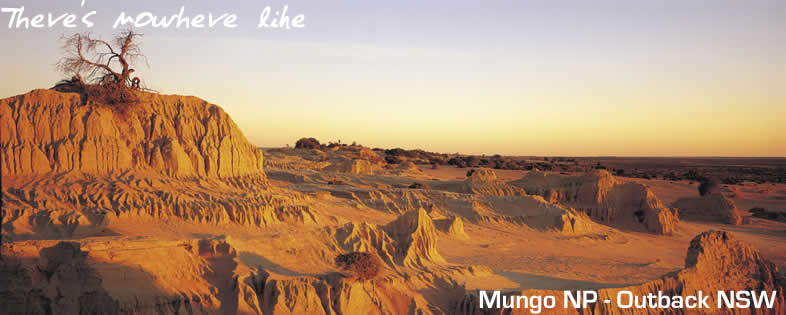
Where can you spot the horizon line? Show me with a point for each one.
(579, 156)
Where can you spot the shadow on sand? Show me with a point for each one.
(63, 280)
(252, 259)
(529, 281)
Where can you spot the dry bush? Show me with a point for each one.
(393, 159)
(418, 186)
(111, 94)
(307, 143)
(106, 94)
(73, 85)
(107, 68)
(364, 266)
(709, 186)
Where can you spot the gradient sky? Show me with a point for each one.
(565, 78)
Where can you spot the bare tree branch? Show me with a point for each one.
(97, 58)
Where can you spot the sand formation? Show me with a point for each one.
(453, 227)
(626, 205)
(285, 159)
(80, 170)
(351, 166)
(714, 261)
(45, 131)
(210, 279)
(417, 238)
(408, 241)
(70, 169)
(713, 206)
(396, 200)
(536, 213)
(480, 198)
(483, 181)
(531, 211)
(481, 175)
(207, 277)
(407, 168)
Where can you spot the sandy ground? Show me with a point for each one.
(525, 258)
(521, 257)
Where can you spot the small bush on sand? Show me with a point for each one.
(393, 159)
(111, 94)
(307, 143)
(418, 186)
(107, 94)
(709, 186)
(364, 266)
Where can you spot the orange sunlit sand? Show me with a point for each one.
(495, 158)
(171, 203)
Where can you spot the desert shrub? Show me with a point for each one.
(397, 152)
(692, 175)
(75, 84)
(307, 143)
(709, 186)
(107, 94)
(417, 156)
(544, 166)
(364, 266)
(473, 161)
(393, 159)
(418, 186)
(336, 144)
(110, 94)
(336, 182)
(458, 162)
(470, 172)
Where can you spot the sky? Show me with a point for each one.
(556, 78)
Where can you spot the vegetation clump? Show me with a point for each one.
(307, 143)
(101, 71)
(418, 186)
(709, 186)
(363, 265)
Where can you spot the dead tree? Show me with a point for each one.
(104, 63)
